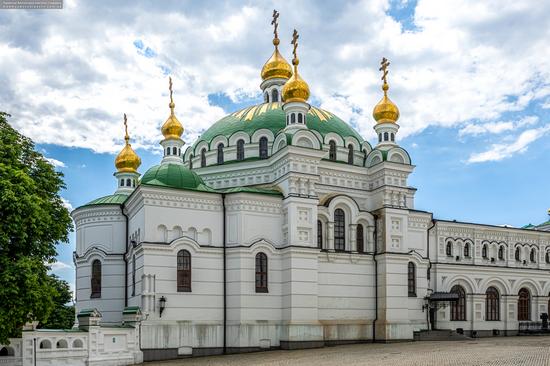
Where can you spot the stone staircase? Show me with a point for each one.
(439, 335)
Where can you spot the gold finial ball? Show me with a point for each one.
(172, 105)
(385, 87)
(295, 61)
(276, 41)
(127, 160)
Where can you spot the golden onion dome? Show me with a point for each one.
(276, 66)
(172, 128)
(295, 89)
(385, 111)
(127, 160)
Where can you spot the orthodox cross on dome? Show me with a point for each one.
(294, 42)
(126, 137)
(171, 105)
(384, 68)
(275, 23)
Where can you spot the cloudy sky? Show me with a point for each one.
(471, 78)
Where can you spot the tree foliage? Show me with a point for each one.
(33, 220)
(62, 315)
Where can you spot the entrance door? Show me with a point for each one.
(432, 318)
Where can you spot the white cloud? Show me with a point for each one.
(68, 82)
(58, 266)
(56, 163)
(67, 204)
(505, 150)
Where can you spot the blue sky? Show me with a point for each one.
(472, 84)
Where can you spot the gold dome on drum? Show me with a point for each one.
(127, 160)
(276, 66)
(172, 128)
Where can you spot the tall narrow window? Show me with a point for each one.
(467, 250)
(128, 182)
(263, 147)
(293, 118)
(350, 154)
(392, 136)
(274, 95)
(458, 308)
(133, 275)
(380, 137)
(240, 150)
(360, 239)
(184, 271)
(411, 279)
(220, 154)
(203, 158)
(492, 304)
(174, 151)
(339, 229)
(300, 118)
(533, 255)
(517, 254)
(386, 136)
(261, 272)
(266, 98)
(191, 161)
(449, 249)
(548, 261)
(524, 305)
(501, 252)
(484, 251)
(96, 279)
(319, 234)
(332, 150)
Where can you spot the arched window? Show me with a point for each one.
(547, 259)
(339, 229)
(524, 305)
(386, 137)
(274, 95)
(517, 254)
(191, 161)
(392, 136)
(492, 304)
(380, 137)
(122, 182)
(350, 154)
(319, 234)
(240, 150)
(62, 343)
(203, 158)
(458, 308)
(220, 154)
(128, 182)
(501, 252)
(332, 150)
(134, 275)
(174, 151)
(411, 279)
(484, 251)
(184, 271)
(449, 249)
(360, 239)
(467, 250)
(263, 147)
(77, 343)
(45, 344)
(299, 117)
(96, 279)
(7, 351)
(261, 273)
(167, 151)
(533, 255)
(293, 118)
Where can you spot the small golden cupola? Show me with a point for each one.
(127, 161)
(295, 89)
(385, 111)
(276, 70)
(172, 128)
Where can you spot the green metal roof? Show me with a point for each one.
(257, 190)
(112, 199)
(174, 176)
(272, 117)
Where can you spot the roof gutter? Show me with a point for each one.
(375, 278)
(124, 257)
(224, 277)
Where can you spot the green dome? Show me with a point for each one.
(272, 117)
(174, 176)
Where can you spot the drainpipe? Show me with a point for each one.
(124, 257)
(430, 273)
(375, 278)
(224, 279)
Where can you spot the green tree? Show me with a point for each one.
(62, 315)
(33, 220)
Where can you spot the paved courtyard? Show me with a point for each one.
(525, 351)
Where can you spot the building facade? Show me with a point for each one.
(281, 227)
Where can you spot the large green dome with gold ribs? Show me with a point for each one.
(272, 117)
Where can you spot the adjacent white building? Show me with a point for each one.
(281, 227)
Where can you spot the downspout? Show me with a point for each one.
(224, 279)
(124, 257)
(375, 278)
(429, 277)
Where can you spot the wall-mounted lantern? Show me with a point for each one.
(162, 305)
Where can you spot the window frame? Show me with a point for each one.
(411, 279)
(184, 271)
(458, 308)
(263, 147)
(203, 157)
(95, 279)
(524, 305)
(261, 272)
(219, 154)
(492, 304)
(240, 150)
(339, 230)
(360, 238)
(332, 150)
(319, 234)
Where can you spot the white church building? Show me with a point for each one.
(281, 227)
